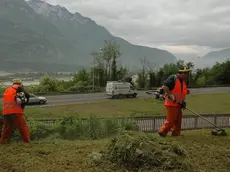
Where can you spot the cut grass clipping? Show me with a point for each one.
(135, 152)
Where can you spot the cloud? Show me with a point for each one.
(187, 26)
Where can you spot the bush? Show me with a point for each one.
(39, 131)
(92, 128)
(72, 128)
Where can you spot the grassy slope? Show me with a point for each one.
(205, 152)
(206, 103)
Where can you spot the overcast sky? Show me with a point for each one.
(179, 26)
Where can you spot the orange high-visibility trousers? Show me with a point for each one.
(18, 121)
(172, 122)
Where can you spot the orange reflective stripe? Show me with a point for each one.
(175, 101)
(9, 103)
(12, 107)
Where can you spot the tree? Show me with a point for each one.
(159, 77)
(106, 61)
(114, 69)
(190, 65)
(48, 84)
(152, 79)
(82, 77)
(201, 81)
(142, 75)
(122, 72)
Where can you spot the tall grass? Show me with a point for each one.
(92, 128)
(74, 128)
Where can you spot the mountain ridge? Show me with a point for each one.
(41, 7)
(218, 54)
(37, 32)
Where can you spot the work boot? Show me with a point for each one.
(161, 134)
(174, 135)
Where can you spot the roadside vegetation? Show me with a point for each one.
(108, 66)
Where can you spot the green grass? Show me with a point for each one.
(206, 153)
(205, 103)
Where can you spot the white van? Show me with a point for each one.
(116, 89)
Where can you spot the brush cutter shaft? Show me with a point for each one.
(203, 118)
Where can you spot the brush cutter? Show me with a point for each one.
(217, 131)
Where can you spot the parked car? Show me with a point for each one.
(37, 99)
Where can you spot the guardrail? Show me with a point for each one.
(153, 123)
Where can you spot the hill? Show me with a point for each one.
(212, 57)
(221, 54)
(39, 36)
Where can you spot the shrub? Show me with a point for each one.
(73, 128)
(39, 131)
(92, 127)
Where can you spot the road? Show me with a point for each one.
(96, 97)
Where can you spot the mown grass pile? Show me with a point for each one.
(134, 152)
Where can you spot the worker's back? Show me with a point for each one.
(10, 106)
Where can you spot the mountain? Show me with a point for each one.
(221, 54)
(26, 37)
(86, 35)
(214, 56)
(35, 35)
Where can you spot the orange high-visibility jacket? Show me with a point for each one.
(10, 105)
(178, 93)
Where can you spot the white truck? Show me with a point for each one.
(116, 89)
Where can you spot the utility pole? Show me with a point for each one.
(93, 77)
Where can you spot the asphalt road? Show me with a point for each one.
(96, 97)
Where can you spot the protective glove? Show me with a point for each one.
(171, 97)
(161, 91)
(183, 105)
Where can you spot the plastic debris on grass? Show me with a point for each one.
(133, 151)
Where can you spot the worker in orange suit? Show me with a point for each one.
(175, 89)
(13, 112)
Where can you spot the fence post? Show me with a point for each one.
(215, 119)
(196, 122)
(154, 124)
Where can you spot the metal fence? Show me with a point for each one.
(152, 124)
(189, 122)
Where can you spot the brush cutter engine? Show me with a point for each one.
(218, 132)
